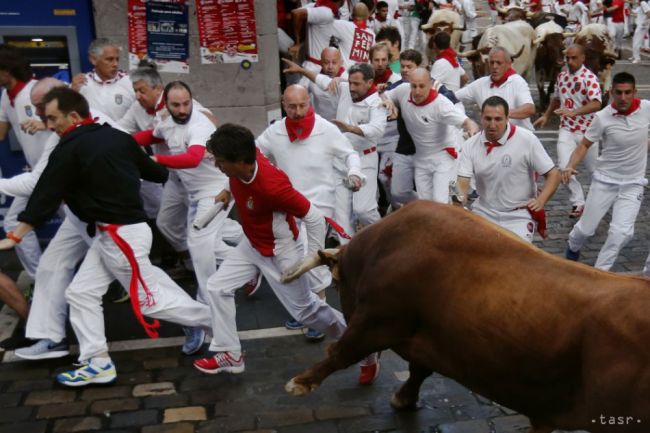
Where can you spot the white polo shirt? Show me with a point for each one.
(574, 91)
(354, 43)
(310, 163)
(429, 125)
(505, 176)
(514, 90)
(202, 181)
(444, 72)
(368, 114)
(21, 111)
(623, 143)
(113, 97)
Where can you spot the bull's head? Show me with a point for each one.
(328, 257)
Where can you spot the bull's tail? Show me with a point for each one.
(327, 257)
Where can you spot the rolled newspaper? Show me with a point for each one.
(203, 220)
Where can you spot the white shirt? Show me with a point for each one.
(23, 110)
(515, 91)
(429, 125)
(623, 143)
(574, 91)
(580, 13)
(641, 11)
(202, 181)
(505, 176)
(368, 114)
(113, 97)
(23, 184)
(353, 42)
(444, 72)
(310, 163)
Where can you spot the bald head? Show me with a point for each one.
(40, 89)
(360, 12)
(575, 57)
(295, 101)
(331, 61)
(420, 85)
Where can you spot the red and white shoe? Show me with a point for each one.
(221, 362)
(369, 373)
(251, 287)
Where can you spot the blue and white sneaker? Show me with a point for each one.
(572, 255)
(44, 349)
(193, 340)
(88, 374)
(293, 324)
(314, 335)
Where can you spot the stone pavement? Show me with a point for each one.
(158, 391)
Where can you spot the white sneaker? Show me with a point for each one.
(88, 374)
(43, 349)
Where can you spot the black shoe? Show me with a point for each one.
(16, 342)
(572, 255)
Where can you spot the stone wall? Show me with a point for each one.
(249, 97)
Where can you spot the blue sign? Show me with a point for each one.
(167, 31)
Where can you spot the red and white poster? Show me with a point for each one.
(137, 18)
(227, 32)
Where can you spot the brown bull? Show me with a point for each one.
(563, 343)
(599, 53)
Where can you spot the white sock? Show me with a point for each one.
(100, 361)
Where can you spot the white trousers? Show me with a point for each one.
(411, 27)
(151, 194)
(298, 299)
(637, 41)
(28, 250)
(361, 206)
(616, 31)
(626, 202)
(567, 142)
(206, 246)
(105, 262)
(432, 176)
(518, 221)
(172, 216)
(56, 269)
(401, 188)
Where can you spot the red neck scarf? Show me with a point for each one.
(503, 79)
(157, 108)
(361, 24)
(300, 128)
(341, 71)
(384, 78)
(329, 4)
(371, 90)
(449, 55)
(380, 20)
(95, 76)
(433, 94)
(20, 85)
(492, 144)
(636, 103)
(87, 121)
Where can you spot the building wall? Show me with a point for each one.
(248, 97)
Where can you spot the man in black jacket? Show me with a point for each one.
(96, 171)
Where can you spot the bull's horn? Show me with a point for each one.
(569, 34)
(530, 14)
(610, 54)
(538, 40)
(466, 54)
(521, 50)
(462, 29)
(309, 263)
(502, 10)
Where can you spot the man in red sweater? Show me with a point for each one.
(268, 206)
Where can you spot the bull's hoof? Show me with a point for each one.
(402, 404)
(294, 388)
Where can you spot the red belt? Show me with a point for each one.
(149, 328)
(314, 60)
(369, 150)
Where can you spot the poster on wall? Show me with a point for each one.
(227, 32)
(159, 30)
